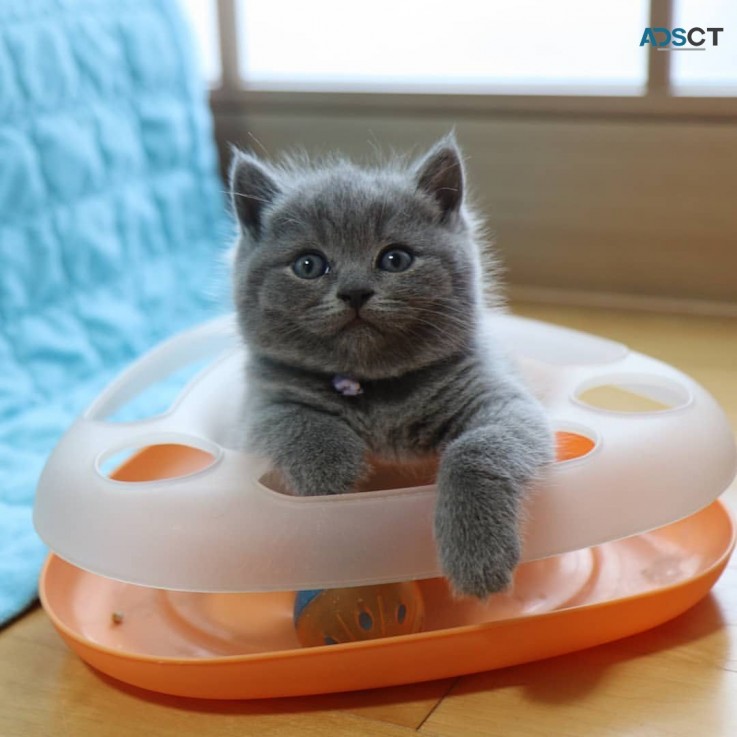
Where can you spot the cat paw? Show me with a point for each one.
(476, 532)
(314, 483)
(314, 453)
(480, 572)
(336, 470)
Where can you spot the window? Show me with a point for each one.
(715, 72)
(431, 43)
(477, 47)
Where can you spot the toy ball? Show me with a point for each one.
(332, 616)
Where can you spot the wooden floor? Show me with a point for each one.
(679, 679)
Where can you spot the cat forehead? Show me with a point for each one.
(349, 202)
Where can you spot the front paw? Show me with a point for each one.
(324, 464)
(313, 452)
(313, 478)
(477, 540)
(478, 570)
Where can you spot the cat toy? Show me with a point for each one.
(191, 571)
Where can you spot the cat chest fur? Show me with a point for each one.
(406, 416)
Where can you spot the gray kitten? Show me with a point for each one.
(358, 293)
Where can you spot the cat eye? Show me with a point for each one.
(310, 266)
(395, 259)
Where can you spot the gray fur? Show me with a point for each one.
(431, 381)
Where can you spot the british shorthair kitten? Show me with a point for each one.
(359, 295)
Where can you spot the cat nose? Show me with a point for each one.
(356, 298)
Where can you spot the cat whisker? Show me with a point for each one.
(258, 143)
(246, 196)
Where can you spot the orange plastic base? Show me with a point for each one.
(239, 646)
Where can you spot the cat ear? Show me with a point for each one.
(440, 175)
(252, 189)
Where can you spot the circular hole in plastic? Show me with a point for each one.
(365, 621)
(154, 462)
(570, 444)
(633, 394)
(401, 613)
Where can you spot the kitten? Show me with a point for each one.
(358, 293)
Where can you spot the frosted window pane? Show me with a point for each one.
(714, 70)
(203, 22)
(435, 42)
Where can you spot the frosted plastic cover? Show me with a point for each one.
(222, 529)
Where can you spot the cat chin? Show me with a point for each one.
(354, 325)
(359, 328)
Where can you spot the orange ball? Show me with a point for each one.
(332, 616)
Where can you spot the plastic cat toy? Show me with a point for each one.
(620, 535)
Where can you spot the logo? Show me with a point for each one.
(679, 39)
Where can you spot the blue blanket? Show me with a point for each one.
(111, 219)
